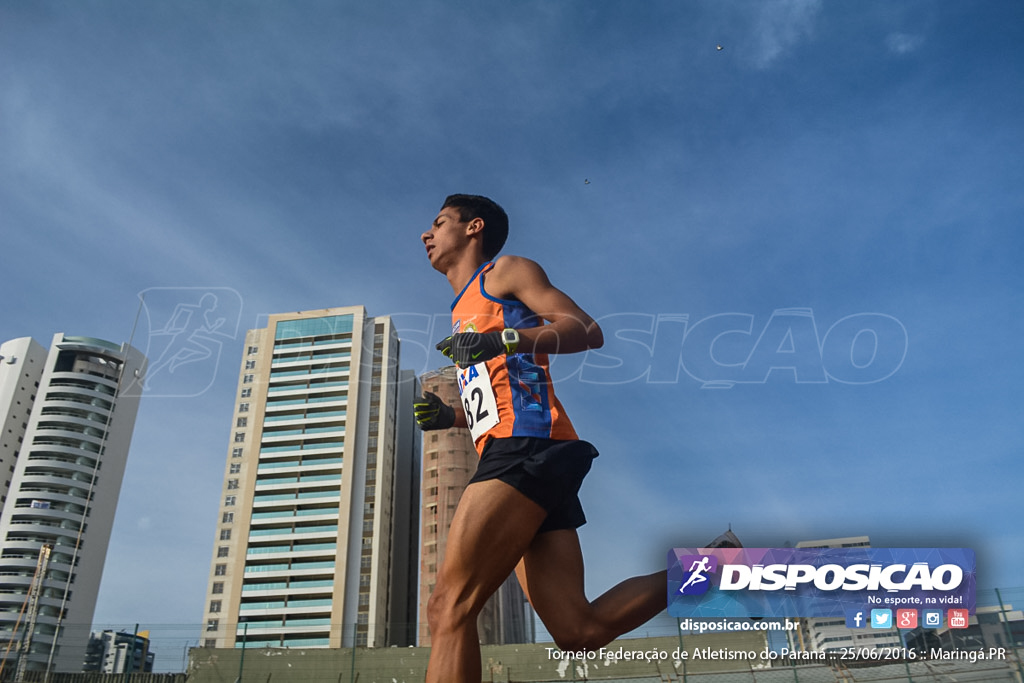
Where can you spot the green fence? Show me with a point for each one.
(535, 664)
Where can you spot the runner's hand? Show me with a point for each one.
(470, 348)
(433, 413)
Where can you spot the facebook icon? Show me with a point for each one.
(855, 619)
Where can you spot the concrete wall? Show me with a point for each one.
(501, 663)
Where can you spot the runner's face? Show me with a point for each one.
(447, 234)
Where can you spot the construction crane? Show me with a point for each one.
(32, 609)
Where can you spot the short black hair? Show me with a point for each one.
(495, 219)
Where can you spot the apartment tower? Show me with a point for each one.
(821, 634)
(449, 461)
(21, 367)
(69, 415)
(309, 551)
(119, 652)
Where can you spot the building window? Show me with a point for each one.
(225, 534)
(250, 364)
(243, 407)
(242, 422)
(218, 588)
(236, 452)
(214, 605)
(220, 570)
(248, 379)
(229, 500)
(239, 437)
(253, 350)
(212, 624)
(222, 551)
(232, 484)
(235, 468)
(246, 393)
(227, 518)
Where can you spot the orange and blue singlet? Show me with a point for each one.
(510, 395)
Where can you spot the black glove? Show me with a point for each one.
(470, 348)
(433, 413)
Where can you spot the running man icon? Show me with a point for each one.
(697, 580)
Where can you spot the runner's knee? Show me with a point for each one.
(581, 636)
(446, 610)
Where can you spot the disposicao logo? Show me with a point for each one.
(817, 582)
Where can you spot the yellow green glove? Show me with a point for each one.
(433, 413)
(470, 348)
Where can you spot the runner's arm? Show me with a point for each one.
(460, 419)
(568, 328)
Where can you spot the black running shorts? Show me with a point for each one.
(546, 471)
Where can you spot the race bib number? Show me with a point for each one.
(478, 399)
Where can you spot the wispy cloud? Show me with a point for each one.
(780, 26)
(903, 43)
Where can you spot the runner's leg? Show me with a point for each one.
(492, 528)
(551, 574)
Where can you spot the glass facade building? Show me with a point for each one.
(308, 542)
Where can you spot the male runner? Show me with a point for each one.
(520, 510)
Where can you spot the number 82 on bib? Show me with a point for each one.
(478, 399)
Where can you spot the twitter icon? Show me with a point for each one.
(881, 618)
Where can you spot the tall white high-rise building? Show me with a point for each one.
(68, 416)
(21, 366)
(311, 549)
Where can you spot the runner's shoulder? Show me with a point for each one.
(510, 273)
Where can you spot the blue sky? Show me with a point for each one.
(834, 193)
